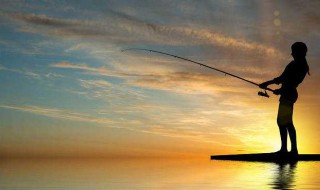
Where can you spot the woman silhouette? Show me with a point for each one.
(291, 77)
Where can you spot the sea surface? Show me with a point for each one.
(91, 174)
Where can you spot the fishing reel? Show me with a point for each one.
(264, 94)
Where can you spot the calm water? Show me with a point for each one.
(155, 174)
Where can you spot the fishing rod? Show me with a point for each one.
(261, 93)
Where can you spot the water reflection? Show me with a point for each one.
(284, 176)
(155, 174)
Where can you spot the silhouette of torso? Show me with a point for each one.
(290, 79)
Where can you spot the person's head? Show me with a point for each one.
(299, 50)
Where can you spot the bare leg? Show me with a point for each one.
(285, 124)
(283, 136)
(293, 138)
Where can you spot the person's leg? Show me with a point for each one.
(283, 136)
(284, 120)
(291, 129)
(293, 138)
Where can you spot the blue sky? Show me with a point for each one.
(67, 89)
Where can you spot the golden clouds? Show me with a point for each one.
(211, 37)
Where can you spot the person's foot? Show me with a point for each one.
(281, 152)
(294, 152)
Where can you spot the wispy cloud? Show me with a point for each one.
(205, 36)
(127, 29)
(23, 72)
(58, 113)
(163, 128)
(165, 79)
(32, 74)
(53, 75)
(182, 82)
(44, 20)
(2, 67)
(104, 71)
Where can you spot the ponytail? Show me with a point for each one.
(308, 69)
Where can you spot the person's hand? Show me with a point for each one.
(277, 91)
(264, 85)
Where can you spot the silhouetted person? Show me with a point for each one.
(291, 77)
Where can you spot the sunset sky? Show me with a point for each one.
(66, 89)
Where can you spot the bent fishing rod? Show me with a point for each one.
(265, 94)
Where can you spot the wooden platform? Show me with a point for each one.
(268, 157)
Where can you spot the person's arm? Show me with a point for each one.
(279, 79)
(276, 80)
(264, 85)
